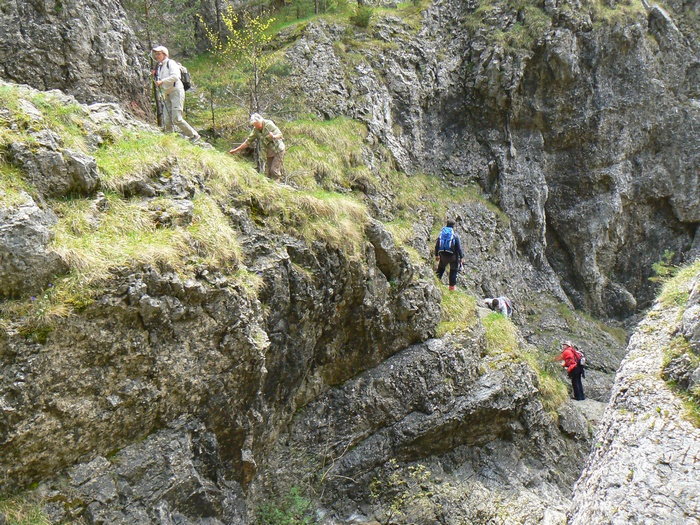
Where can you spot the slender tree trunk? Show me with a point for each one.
(211, 107)
(154, 88)
(217, 8)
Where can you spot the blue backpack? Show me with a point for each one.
(447, 240)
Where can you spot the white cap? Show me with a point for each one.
(162, 49)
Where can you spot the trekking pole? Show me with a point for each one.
(154, 89)
(165, 104)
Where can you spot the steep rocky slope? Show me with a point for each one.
(195, 389)
(577, 118)
(296, 368)
(644, 467)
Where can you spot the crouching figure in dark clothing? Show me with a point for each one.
(448, 250)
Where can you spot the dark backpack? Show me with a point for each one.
(446, 240)
(185, 77)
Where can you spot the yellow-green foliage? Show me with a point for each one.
(605, 13)
(127, 234)
(502, 341)
(424, 192)
(553, 390)
(403, 233)
(63, 119)
(405, 492)
(531, 24)
(333, 218)
(458, 312)
(690, 398)
(18, 511)
(12, 186)
(501, 335)
(675, 291)
(129, 231)
(132, 154)
(327, 153)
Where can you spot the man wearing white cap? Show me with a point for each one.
(167, 77)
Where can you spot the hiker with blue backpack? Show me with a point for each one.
(448, 250)
(573, 360)
(168, 79)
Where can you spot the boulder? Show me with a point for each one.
(27, 264)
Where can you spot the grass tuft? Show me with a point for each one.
(19, 511)
(501, 335)
(458, 312)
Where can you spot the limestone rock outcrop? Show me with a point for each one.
(159, 347)
(27, 263)
(644, 466)
(83, 47)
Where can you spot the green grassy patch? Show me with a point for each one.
(675, 291)
(531, 23)
(327, 154)
(502, 341)
(458, 312)
(292, 509)
(20, 511)
(678, 347)
(501, 335)
(13, 188)
(609, 14)
(131, 154)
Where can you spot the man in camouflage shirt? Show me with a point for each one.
(271, 139)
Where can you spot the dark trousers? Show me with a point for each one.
(445, 259)
(575, 376)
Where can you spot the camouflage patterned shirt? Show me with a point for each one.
(272, 146)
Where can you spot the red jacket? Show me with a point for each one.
(569, 358)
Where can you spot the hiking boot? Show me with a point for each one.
(452, 288)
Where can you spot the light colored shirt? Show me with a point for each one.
(169, 73)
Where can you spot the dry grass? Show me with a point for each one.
(20, 511)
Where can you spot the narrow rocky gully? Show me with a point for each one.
(185, 341)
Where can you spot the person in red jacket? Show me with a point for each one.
(570, 361)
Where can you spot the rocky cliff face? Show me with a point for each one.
(644, 466)
(579, 125)
(193, 400)
(84, 48)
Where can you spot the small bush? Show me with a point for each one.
(293, 509)
(362, 17)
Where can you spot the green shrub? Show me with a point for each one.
(362, 16)
(293, 509)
